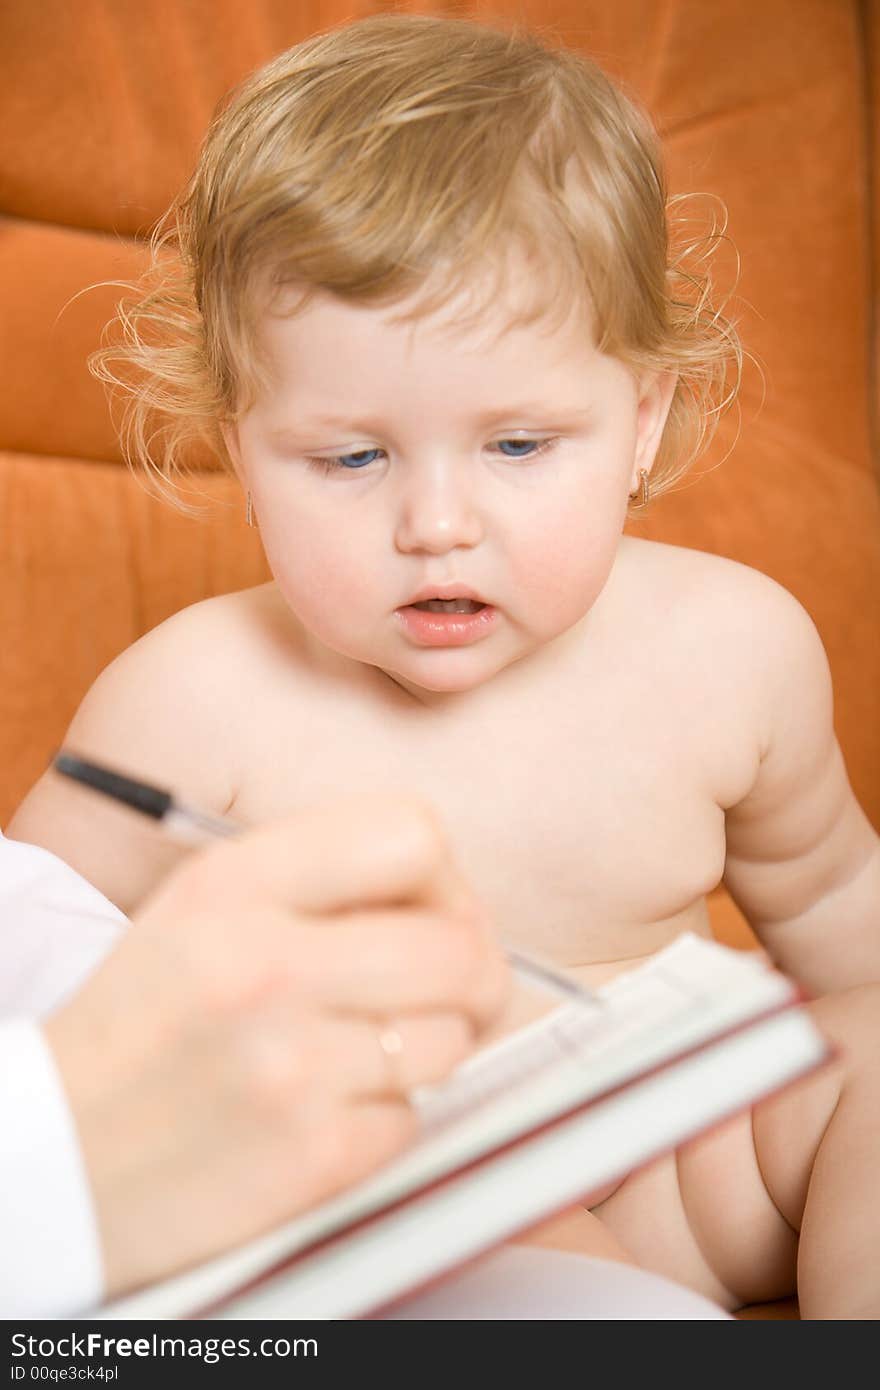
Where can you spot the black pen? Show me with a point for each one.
(189, 825)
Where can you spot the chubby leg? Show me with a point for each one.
(820, 1155)
(580, 1231)
(781, 1200)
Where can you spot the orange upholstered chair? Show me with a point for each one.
(773, 107)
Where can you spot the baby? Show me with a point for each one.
(422, 302)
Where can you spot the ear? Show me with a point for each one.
(656, 390)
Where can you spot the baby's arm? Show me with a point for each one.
(156, 712)
(803, 861)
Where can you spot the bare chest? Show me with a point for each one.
(591, 839)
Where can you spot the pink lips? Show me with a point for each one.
(430, 629)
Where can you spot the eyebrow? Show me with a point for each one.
(537, 409)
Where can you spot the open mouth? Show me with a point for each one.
(447, 622)
(448, 605)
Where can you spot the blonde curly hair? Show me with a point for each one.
(398, 155)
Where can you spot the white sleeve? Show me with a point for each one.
(55, 927)
(50, 1265)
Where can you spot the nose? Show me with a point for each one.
(437, 510)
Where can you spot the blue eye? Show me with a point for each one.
(523, 444)
(360, 458)
(537, 446)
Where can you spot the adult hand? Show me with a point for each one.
(225, 1065)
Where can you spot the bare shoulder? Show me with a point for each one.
(176, 690)
(217, 630)
(167, 711)
(737, 648)
(730, 603)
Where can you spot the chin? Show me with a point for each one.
(445, 676)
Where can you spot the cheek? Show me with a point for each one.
(320, 566)
(564, 563)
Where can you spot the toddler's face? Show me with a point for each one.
(435, 502)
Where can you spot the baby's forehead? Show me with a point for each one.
(473, 313)
(327, 361)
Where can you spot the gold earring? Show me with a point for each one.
(249, 511)
(643, 491)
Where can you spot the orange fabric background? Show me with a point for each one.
(102, 106)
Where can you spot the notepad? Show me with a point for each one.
(525, 1128)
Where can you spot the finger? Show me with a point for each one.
(291, 1060)
(414, 1052)
(404, 962)
(361, 851)
(351, 1141)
